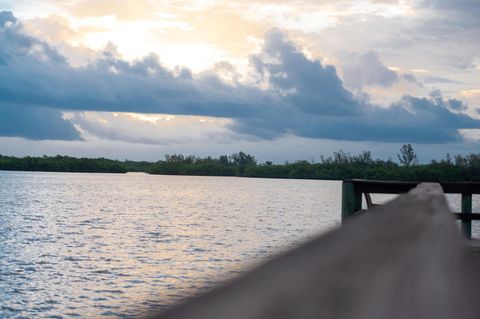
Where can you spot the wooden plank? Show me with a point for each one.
(467, 216)
(405, 259)
(459, 188)
(395, 187)
(382, 187)
(467, 209)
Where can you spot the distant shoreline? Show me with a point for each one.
(73, 172)
(184, 175)
(339, 167)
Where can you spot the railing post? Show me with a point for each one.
(351, 200)
(467, 208)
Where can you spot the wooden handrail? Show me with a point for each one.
(354, 188)
(398, 187)
(404, 259)
(467, 216)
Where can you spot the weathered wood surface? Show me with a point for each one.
(474, 250)
(466, 210)
(405, 259)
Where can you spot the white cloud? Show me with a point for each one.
(154, 129)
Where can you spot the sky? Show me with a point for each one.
(283, 80)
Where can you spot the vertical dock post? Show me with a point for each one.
(351, 200)
(467, 208)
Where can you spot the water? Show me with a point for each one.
(109, 246)
(116, 246)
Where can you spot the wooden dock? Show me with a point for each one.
(404, 259)
(352, 191)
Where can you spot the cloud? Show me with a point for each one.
(151, 129)
(420, 120)
(129, 9)
(437, 79)
(464, 12)
(24, 120)
(293, 94)
(367, 69)
(34, 73)
(7, 17)
(307, 86)
(36, 123)
(445, 33)
(451, 104)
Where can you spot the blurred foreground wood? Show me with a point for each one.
(405, 259)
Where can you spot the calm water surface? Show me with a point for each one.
(108, 245)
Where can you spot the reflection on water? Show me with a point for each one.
(98, 245)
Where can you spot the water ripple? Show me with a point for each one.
(114, 246)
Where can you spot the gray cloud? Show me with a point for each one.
(300, 96)
(436, 79)
(411, 119)
(306, 85)
(434, 35)
(5, 17)
(465, 12)
(423, 120)
(451, 30)
(451, 104)
(366, 69)
(36, 123)
(26, 120)
(33, 73)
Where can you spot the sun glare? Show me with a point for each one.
(135, 39)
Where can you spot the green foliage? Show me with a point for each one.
(345, 166)
(178, 164)
(341, 165)
(62, 164)
(132, 166)
(407, 155)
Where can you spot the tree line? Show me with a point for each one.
(62, 164)
(341, 165)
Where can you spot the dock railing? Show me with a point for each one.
(403, 259)
(353, 189)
